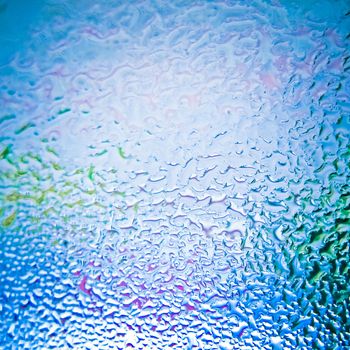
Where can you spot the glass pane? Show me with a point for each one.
(174, 174)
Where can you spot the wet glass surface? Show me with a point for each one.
(174, 175)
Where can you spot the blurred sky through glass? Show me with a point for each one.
(174, 174)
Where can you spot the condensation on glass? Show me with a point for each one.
(174, 174)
